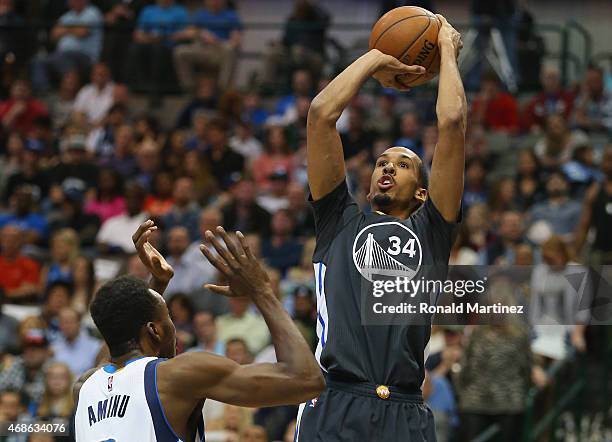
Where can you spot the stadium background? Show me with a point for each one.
(89, 150)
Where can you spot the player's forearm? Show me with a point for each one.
(451, 107)
(331, 101)
(292, 352)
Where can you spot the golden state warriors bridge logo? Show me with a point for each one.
(388, 249)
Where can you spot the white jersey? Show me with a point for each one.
(122, 405)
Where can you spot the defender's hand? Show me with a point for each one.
(245, 275)
(388, 70)
(449, 35)
(150, 257)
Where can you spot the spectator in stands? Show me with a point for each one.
(21, 109)
(205, 99)
(9, 337)
(205, 330)
(115, 235)
(27, 372)
(61, 103)
(553, 99)
(502, 197)
(205, 185)
(302, 213)
(64, 250)
(14, 44)
(238, 351)
(57, 400)
(84, 280)
(74, 346)
(253, 111)
(108, 199)
(275, 197)
(78, 35)
(199, 140)
(276, 156)
(581, 170)
(119, 22)
(242, 323)
(596, 215)
(148, 163)
(32, 224)
(281, 251)
(593, 109)
(208, 219)
(383, 120)
(245, 142)
(243, 213)
(101, 139)
(184, 210)
(220, 159)
(181, 312)
(493, 108)
(302, 45)
(149, 59)
(122, 159)
(511, 230)
(189, 275)
(14, 408)
(286, 108)
(558, 142)
(475, 174)
(254, 433)
(19, 275)
(11, 160)
(96, 98)
(410, 133)
(214, 38)
(528, 180)
(71, 215)
(58, 296)
(358, 138)
(74, 165)
(159, 201)
(559, 211)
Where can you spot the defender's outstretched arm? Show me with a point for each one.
(446, 188)
(324, 149)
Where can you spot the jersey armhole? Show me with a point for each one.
(163, 430)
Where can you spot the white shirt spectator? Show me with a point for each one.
(117, 231)
(94, 103)
(250, 148)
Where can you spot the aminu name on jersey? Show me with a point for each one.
(114, 406)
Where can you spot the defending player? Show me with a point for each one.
(142, 396)
(373, 372)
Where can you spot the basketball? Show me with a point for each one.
(410, 34)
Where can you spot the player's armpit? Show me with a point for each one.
(201, 375)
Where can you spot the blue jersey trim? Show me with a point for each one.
(110, 368)
(318, 313)
(163, 430)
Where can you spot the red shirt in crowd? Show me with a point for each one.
(501, 112)
(15, 272)
(23, 122)
(542, 105)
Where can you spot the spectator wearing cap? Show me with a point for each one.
(189, 275)
(74, 165)
(184, 211)
(27, 372)
(276, 156)
(243, 213)
(70, 214)
(20, 110)
(74, 346)
(220, 159)
(115, 235)
(282, 250)
(558, 210)
(593, 109)
(205, 330)
(96, 98)
(78, 37)
(276, 196)
(33, 226)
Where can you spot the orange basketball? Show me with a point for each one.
(410, 34)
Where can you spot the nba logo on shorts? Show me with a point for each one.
(110, 383)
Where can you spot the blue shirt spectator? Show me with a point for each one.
(30, 222)
(221, 23)
(90, 44)
(74, 346)
(162, 20)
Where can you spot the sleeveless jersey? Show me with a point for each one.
(359, 258)
(122, 405)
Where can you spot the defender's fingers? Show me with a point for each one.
(245, 245)
(219, 289)
(141, 229)
(221, 250)
(216, 261)
(144, 238)
(230, 243)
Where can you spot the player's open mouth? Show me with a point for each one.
(385, 182)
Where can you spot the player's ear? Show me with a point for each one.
(421, 194)
(153, 332)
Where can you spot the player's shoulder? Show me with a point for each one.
(76, 388)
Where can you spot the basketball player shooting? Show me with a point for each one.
(146, 394)
(374, 373)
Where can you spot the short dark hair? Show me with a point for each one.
(24, 398)
(120, 309)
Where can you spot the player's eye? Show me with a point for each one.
(382, 164)
(404, 165)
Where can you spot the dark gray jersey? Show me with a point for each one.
(359, 260)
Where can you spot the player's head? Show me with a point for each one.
(130, 316)
(399, 181)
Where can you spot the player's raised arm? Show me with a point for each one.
(446, 184)
(295, 378)
(325, 155)
(161, 271)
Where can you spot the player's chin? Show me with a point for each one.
(381, 199)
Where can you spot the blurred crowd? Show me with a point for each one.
(82, 165)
